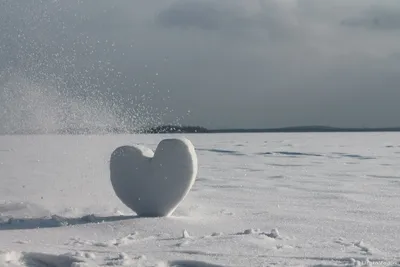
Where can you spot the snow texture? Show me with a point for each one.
(304, 200)
(153, 185)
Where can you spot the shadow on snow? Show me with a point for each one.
(56, 221)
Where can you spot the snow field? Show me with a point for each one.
(258, 200)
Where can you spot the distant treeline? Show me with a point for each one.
(298, 129)
(198, 129)
(176, 129)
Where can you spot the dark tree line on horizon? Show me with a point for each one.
(176, 129)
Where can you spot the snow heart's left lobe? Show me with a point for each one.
(153, 184)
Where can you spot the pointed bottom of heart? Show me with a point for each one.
(153, 184)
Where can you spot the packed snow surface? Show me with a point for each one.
(258, 200)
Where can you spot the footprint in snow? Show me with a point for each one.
(273, 234)
(364, 248)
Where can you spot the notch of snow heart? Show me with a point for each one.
(153, 184)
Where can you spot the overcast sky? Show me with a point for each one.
(215, 63)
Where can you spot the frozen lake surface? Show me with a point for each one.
(328, 199)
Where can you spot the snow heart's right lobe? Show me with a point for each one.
(153, 184)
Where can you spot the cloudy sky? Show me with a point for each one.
(215, 63)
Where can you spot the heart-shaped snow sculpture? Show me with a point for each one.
(153, 184)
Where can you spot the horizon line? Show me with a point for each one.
(168, 128)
